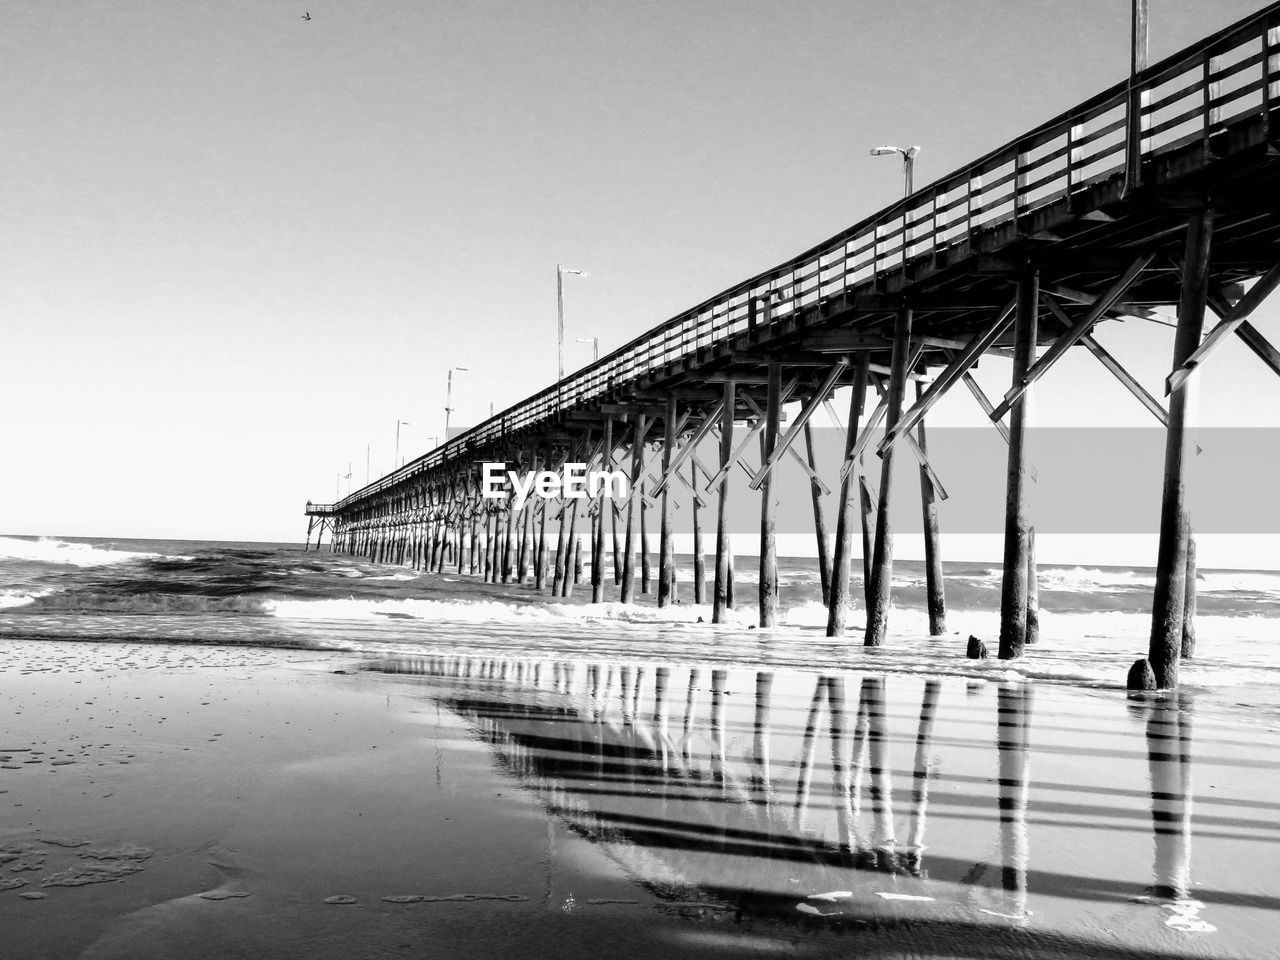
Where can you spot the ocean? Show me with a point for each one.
(1094, 620)
(229, 749)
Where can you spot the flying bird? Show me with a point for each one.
(305, 16)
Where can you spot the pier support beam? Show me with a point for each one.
(666, 549)
(637, 461)
(603, 503)
(699, 554)
(934, 588)
(1169, 601)
(1017, 519)
(882, 561)
(769, 505)
(819, 520)
(721, 595)
(838, 603)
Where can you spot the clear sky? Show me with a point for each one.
(237, 246)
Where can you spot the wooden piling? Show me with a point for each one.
(617, 544)
(838, 602)
(645, 560)
(666, 549)
(603, 503)
(720, 595)
(540, 555)
(509, 540)
(1033, 591)
(819, 519)
(526, 535)
(1189, 605)
(699, 554)
(1017, 517)
(637, 461)
(868, 510)
(769, 504)
(934, 587)
(882, 557)
(567, 576)
(1169, 602)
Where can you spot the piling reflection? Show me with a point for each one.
(1168, 729)
(712, 785)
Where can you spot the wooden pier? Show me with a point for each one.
(1160, 191)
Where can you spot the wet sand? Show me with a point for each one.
(463, 806)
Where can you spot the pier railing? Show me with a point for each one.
(1189, 98)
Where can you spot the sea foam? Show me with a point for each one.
(61, 552)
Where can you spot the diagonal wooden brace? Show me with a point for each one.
(1112, 364)
(687, 451)
(1101, 305)
(793, 431)
(1228, 325)
(794, 454)
(714, 483)
(978, 344)
(914, 445)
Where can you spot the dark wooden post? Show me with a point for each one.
(882, 560)
(868, 535)
(604, 503)
(838, 604)
(934, 586)
(1169, 603)
(646, 570)
(666, 549)
(637, 461)
(509, 541)
(819, 520)
(617, 544)
(540, 555)
(699, 555)
(526, 537)
(1189, 606)
(1033, 591)
(1017, 515)
(571, 556)
(769, 504)
(720, 596)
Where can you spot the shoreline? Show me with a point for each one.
(266, 772)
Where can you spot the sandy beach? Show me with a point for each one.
(221, 798)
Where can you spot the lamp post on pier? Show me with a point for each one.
(595, 346)
(395, 464)
(560, 272)
(448, 399)
(908, 163)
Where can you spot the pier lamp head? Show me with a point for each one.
(884, 151)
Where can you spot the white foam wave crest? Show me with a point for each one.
(1079, 578)
(1243, 581)
(9, 600)
(71, 554)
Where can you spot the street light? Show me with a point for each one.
(908, 161)
(560, 272)
(448, 398)
(595, 344)
(396, 462)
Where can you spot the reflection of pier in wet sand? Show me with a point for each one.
(745, 794)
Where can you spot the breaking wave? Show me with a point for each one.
(46, 550)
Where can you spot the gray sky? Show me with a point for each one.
(236, 246)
